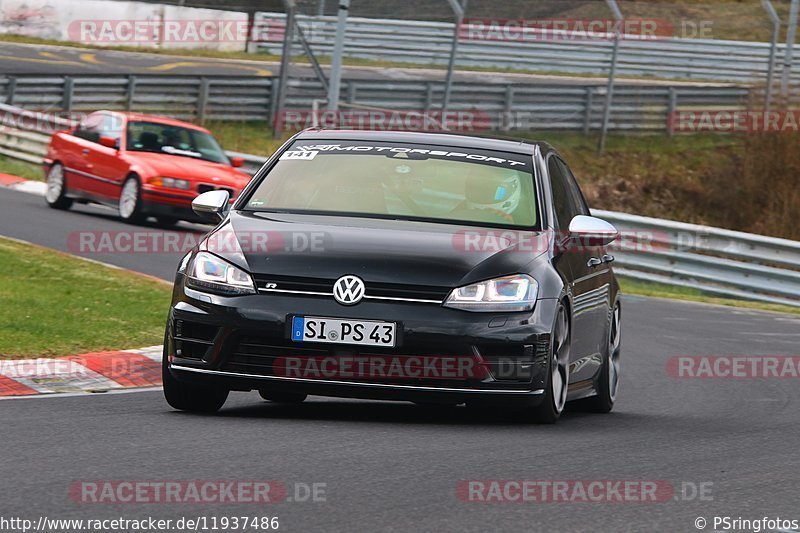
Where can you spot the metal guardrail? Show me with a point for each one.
(430, 43)
(505, 107)
(197, 97)
(712, 260)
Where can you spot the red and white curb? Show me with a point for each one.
(90, 372)
(21, 184)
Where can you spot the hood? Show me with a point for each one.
(188, 168)
(379, 251)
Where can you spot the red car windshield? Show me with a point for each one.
(173, 140)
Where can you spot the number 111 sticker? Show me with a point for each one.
(303, 155)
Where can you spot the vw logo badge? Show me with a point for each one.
(348, 290)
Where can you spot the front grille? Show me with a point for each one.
(295, 283)
(381, 290)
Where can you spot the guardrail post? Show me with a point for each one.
(673, 105)
(458, 11)
(11, 89)
(587, 117)
(273, 100)
(506, 121)
(66, 100)
(428, 96)
(351, 91)
(286, 53)
(612, 72)
(202, 99)
(338, 52)
(787, 58)
(130, 92)
(773, 50)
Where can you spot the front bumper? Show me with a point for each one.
(157, 201)
(235, 342)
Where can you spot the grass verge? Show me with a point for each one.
(21, 169)
(54, 304)
(658, 290)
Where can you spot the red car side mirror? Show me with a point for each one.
(109, 142)
(237, 162)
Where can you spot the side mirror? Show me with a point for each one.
(592, 231)
(211, 205)
(109, 142)
(237, 162)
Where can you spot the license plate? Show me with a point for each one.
(338, 331)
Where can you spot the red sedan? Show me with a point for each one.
(143, 165)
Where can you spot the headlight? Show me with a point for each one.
(172, 183)
(509, 293)
(211, 274)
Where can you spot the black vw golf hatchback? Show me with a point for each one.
(433, 268)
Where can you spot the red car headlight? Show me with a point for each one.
(172, 183)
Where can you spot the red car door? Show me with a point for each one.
(74, 150)
(108, 170)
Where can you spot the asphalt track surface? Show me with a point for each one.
(395, 466)
(16, 58)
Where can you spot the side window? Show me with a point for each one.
(89, 128)
(575, 192)
(563, 203)
(111, 127)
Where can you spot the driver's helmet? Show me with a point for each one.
(493, 188)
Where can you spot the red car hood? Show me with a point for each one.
(196, 170)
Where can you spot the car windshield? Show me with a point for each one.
(173, 140)
(401, 181)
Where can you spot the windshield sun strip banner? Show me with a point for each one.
(308, 151)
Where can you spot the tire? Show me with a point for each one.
(608, 381)
(191, 398)
(282, 397)
(130, 201)
(56, 193)
(549, 411)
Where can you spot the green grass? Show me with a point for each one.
(251, 137)
(54, 304)
(21, 169)
(658, 290)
